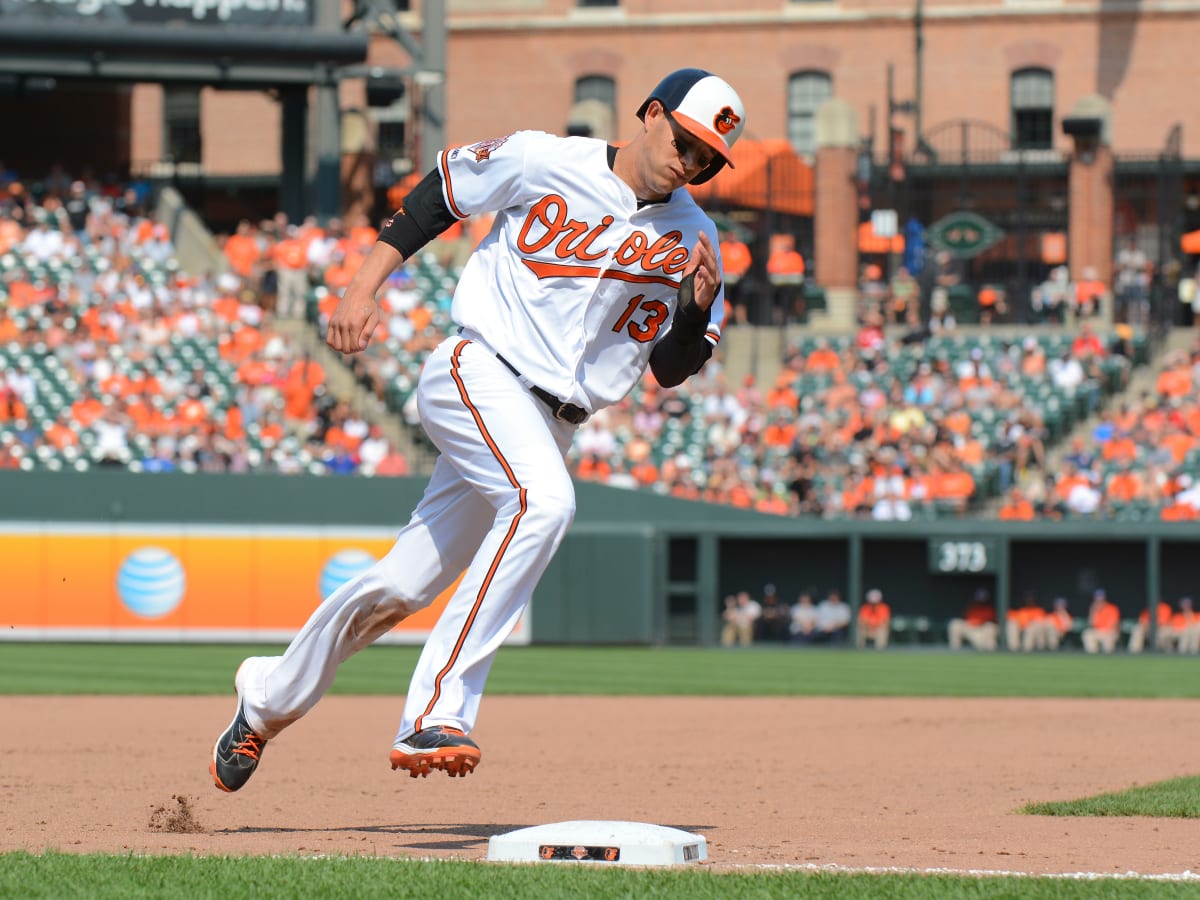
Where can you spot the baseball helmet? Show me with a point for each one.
(705, 106)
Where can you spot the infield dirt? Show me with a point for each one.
(853, 782)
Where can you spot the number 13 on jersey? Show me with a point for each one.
(645, 327)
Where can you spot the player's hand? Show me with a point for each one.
(352, 323)
(708, 277)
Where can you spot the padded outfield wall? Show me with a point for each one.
(115, 556)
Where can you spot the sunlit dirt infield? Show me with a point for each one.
(914, 783)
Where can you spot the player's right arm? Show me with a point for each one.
(357, 313)
(484, 176)
(423, 216)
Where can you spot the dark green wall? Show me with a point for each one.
(118, 496)
(640, 568)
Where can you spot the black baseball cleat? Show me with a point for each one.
(439, 747)
(236, 754)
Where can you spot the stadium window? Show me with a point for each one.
(181, 124)
(806, 92)
(594, 109)
(1032, 109)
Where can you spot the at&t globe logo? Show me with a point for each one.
(343, 566)
(150, 582)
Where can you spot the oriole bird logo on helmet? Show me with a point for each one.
(726, 120)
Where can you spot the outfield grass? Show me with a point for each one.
(55, 875)
(208, 669)
(1177, 798)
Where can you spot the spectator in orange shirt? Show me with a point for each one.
(1104, 624)
(291, 267)
(593, 468)
(1125, 485)
(1055, 625)
(1175, 380)
(1178, 511)
(823, 358)
(242, 250)
(1165, 636)
(735, 262)
(8, 328)
(60, 433)
(1033, 358)
(1016, 507)
(1087, 343)
(782, 394)
(990, 304)
(1089, 292)
(977, 626)
(874, 622)
(780, 430)
(1023, 629)
(953, 483)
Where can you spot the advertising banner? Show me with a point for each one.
(181, 583)
(259, 13)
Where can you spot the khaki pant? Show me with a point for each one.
(1040, 635)
(1164, 641)
(878, 636)
(981, 637)
(737, 633)
(293, 293)
(1094, 641)
(1189, 640)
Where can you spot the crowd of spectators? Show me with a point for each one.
(871, 426)
(112, 356)
(1139, 460)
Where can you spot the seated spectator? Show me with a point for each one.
(1104, 624)
(774, 617)
(1055, 625)
(1165, 632)
(1186, 626)
(833, 618)
(1016, 507)
(803, 625)
(874, 622)
(740, 614)
(1023, 630)
(977, 626)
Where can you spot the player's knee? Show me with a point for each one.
(552, 505)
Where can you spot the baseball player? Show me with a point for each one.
(598, 264)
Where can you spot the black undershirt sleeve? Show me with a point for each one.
(422, 217)
(683, 351)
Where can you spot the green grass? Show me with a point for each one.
(1178, 798)
(205, 669)
(208, 669)
(187, 878)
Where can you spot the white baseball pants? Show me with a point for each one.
(498, 504)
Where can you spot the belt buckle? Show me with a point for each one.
(567, 412)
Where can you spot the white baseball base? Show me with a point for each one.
(603, 843)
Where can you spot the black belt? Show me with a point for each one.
(564, 412)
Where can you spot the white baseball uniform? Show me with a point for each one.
(573, 287)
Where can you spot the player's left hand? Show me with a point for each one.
(708, 276)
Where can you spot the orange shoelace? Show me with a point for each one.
(250, 746)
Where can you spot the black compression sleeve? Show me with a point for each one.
(673, 362)
(683, 350)
(422, 217)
